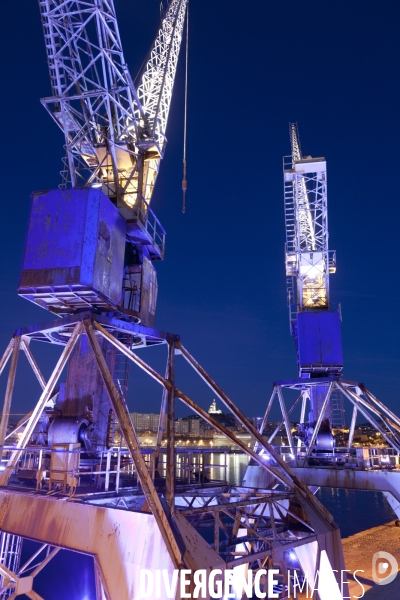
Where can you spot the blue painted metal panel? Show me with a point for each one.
(75, 241)
(319, 341)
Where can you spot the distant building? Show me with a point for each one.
(256, 421)
(194, 427)
(213, 409)
(207, 432)
(189, 426)
(181, 427)
(146, 422)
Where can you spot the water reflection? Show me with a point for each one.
(353, 510)
(229, 466)
(356, 510)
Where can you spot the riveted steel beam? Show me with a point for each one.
(141, 363)
(129, 434)
(228, 505)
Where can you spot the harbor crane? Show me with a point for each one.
(314, 321)
(73, 474)
(315, 324)
(102, 230)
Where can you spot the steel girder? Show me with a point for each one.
(114, 133)
(250, 522)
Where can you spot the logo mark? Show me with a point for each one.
(381, 561)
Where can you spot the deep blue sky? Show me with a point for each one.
(333, 67)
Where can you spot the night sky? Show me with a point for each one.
(332, 66)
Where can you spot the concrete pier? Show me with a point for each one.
(359, 550)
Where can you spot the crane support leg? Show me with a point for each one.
(132, 443)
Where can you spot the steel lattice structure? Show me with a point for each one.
(252, 528)
(322, 438)
(308, 260)
(156, 85)
(113, 139)
(306, 230)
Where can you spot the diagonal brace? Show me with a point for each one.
(48, 390)
(132, 443)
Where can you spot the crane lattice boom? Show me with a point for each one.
(155, 89)
(308, 260)
(114, 134)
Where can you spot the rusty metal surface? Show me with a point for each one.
(198, 554)
(245, 503)
(132, 443)
(170, 475)
(283, 473)
(161, 421)
(86, 234)
(181, 541)
(352, 479)
(9, 392)
(320, 518)
(141, 363)
(85, 397)
(122, 542)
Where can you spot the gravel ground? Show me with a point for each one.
(358, 552)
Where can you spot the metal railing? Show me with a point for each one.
(150, 225)
(75, 471)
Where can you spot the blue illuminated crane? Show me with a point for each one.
(96, 248)
(314, 321)
(115, 132)
(115, 138)
(91, 244)
(315, 325)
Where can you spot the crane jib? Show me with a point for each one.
(115, 134)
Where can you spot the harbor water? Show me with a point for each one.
(352, 510)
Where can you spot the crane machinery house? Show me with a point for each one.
(74, 251)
